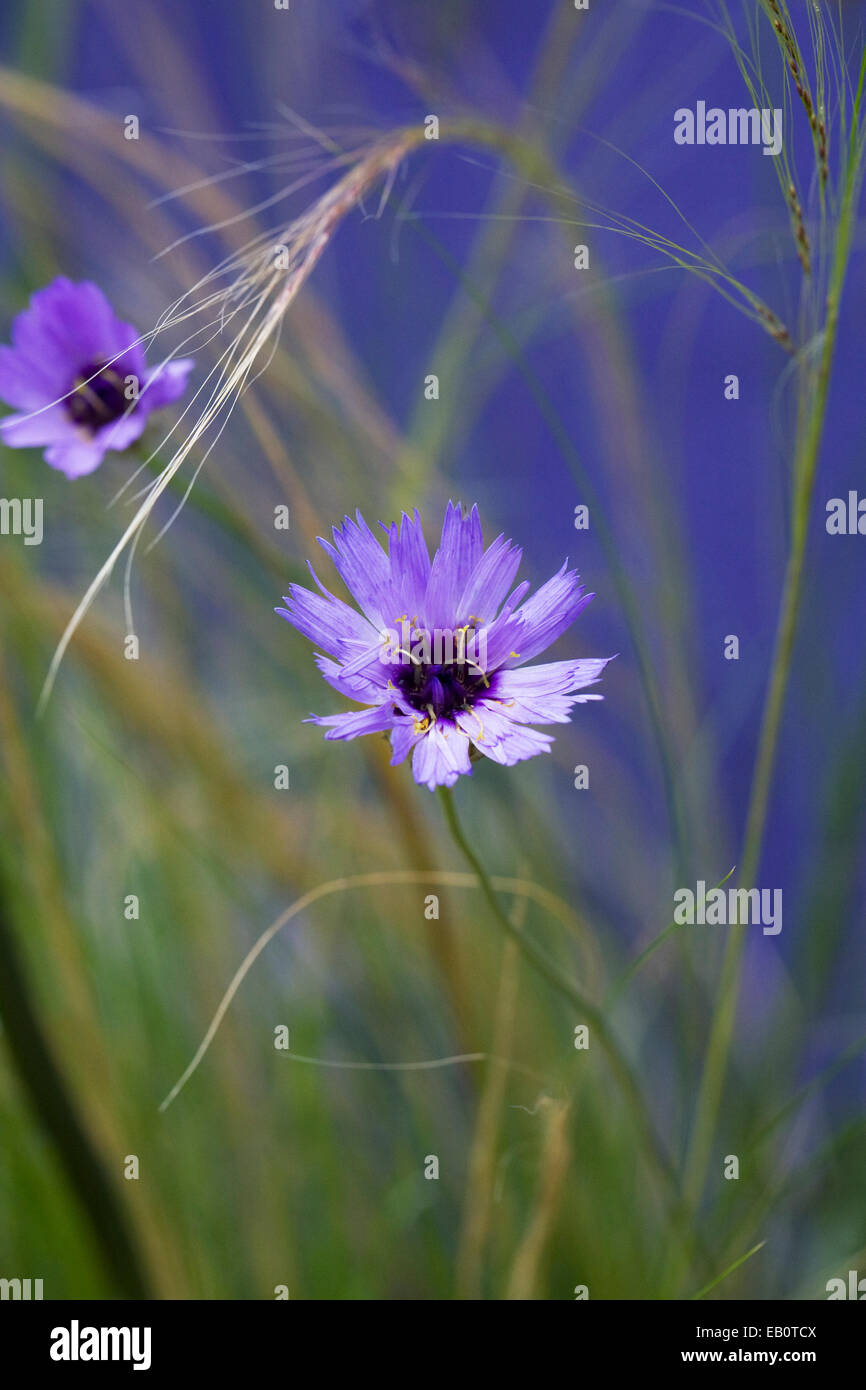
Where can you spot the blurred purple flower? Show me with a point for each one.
(79, 377)
(470, 695)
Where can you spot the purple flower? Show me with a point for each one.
(78, 376)
(437, 652)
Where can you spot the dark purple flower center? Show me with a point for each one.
(98, 397)
(444, 689)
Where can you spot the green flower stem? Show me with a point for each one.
(550, 971)
(50, 1097)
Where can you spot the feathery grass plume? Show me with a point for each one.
(816, 77)
(263, 281)
(785, 32)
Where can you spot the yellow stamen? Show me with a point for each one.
(482, 673)
(476, 715)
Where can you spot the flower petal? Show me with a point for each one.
(357, 686)
(123, 432)
(494, 735)
(504, 636)
(548, 613)
(329, 622)
(51, 426)
(75, 460)
(410, 564)
(545, 694)
(22, 383)
(165, 383)
(488, 584)
(440, 757)
(364, 568)
(404, 735)
(459, 552)
(355, 723)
